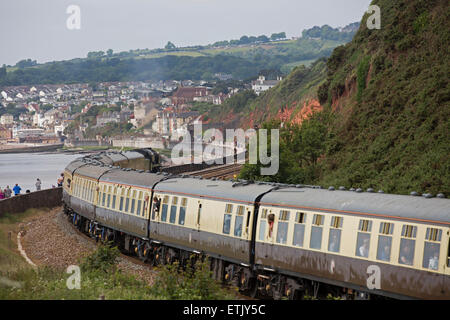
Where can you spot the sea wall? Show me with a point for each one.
(48, 198)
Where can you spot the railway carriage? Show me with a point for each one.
(68, 178)
(212, 217)
(341, 237)
(84, 189)
(125, 200)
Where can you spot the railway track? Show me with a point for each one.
(223, 172)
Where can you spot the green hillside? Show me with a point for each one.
(243, 59)
(386, 103)
(286, 100)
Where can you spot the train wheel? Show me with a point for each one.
(157, 258)
(253, 291)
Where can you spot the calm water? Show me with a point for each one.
(25, 168)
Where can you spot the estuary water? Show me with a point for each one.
(25, 168)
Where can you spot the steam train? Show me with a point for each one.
(268, 239)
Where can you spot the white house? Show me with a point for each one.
(262, 84)
(6, 119)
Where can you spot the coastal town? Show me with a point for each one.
(116, 114)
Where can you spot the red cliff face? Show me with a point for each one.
(288, 114)
(338, 102)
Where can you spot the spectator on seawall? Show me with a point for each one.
(16, 189)
(7, 192)
(2, 195)
(61, 180)
(38, 184)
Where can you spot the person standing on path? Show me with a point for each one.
(38, 184)
(16, 189)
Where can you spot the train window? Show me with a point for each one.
(262, 229)
(385, 241)
(88, 194)
(173, 210)
(300, 217)
(432, 248)
(103, 199)
(299, 229)
(262, 224)
(283, 224)
(133, 202)
(448, 254)
(336, 222)
(316, 238)
(122, 194)
(86, 186)
(386, 228)
(121, 204)
(407, 245)
(226, 223)
(406, 255)
(83, 194)
(365, 225)
(431, 255)
(316, 232)
(318, 219)
(384, 248)
(165, 207)
(334, 240)
(363, 244)
(409, 231)
(182, 215)
(433, 234)
(133, 205)
(77, 188)
(113, 205)
(229, 208)
(139, 204)
(138, 208)
(127, 204)
(238, 221)
(108, 201)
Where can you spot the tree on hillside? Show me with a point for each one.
(263, 38)
(95, 54)
(26, 63)
(170, 46)
(109, 53)
(244, 40)
(277, 36)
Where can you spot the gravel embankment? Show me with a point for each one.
(51, 240)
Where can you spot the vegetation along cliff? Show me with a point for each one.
(382, 107)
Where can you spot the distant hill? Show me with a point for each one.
(243, 59)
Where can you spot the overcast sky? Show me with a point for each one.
(37, 29)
